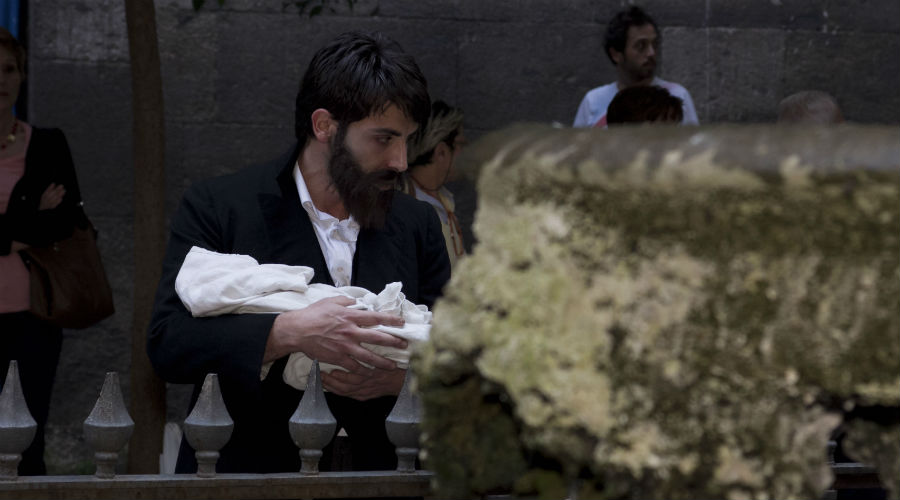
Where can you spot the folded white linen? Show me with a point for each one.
(211, 284)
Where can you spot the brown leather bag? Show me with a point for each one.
(69, 287)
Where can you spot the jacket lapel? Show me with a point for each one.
(292, 238)
(376, 261)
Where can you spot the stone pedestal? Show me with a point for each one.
(670, 312)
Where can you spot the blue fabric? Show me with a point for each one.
(9, 16)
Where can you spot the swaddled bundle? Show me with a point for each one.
(212, 284)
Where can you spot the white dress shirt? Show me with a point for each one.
(337, 238)
(592, 110)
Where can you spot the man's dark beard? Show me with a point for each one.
(367, 196)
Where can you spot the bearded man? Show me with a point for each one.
(330, 204)
(632, 42)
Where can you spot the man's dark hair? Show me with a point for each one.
(617, 30)
(357, 75)
(644, 104)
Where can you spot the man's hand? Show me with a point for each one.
(373, 384)
(52, 197)
(331, 332)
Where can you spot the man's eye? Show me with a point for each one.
(383, 139)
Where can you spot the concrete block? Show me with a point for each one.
(861, 70)
(871, 16)
(669, 13)
(197, 151)
(91, 103)
(187, 49)
(504, 77)
(806, 15)
(283, 46)
(746, 69)
(80, 30)
(435, 47)
(547, 11)
(685, 61)
(332, 7)
(339, 8)
(255, 76)
(260, 70)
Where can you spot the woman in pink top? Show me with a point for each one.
(39, 203)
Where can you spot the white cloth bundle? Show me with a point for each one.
(211, 284)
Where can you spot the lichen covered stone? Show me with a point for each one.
(668, 313)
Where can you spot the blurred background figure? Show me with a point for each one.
(432, 154)
(812, 107)
(644, 104)
(39, 204)
(633, 44)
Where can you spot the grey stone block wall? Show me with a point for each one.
(230, 75)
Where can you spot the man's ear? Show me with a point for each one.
(615, 55)
(323, 124)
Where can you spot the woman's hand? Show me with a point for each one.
(52, 197)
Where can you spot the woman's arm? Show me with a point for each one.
(45, 204)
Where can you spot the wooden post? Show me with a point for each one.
(148, 402)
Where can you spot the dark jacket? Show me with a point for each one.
(47, 161)
(257, 212)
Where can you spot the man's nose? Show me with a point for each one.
(397, 158)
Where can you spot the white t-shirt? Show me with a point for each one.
(337, 238)
(592, 110)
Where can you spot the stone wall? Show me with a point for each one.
(230, 75)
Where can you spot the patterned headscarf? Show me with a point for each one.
(443, 124)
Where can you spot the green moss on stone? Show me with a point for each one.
(662, 328)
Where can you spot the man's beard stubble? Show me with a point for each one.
(362, 192)
(644, 71)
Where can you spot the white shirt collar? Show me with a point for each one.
(345, 230)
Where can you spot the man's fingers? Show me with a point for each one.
(332, 384)
(368, 357)
(370, 336)
(350, 355)
(343, 383)
(341, 300)
(365, 386)
(370, 318)
(350, 378)
(348, 360)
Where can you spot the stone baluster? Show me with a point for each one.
(402, 426)
(208, 428)
(312, 425)
(108, 428)
(17, 427)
